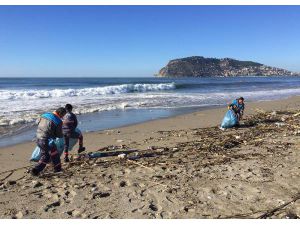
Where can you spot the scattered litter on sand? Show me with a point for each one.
(252, 171)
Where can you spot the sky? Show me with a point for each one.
(137, 41)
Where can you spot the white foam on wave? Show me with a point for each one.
(95, 91)
(21, 118)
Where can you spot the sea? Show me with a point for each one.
(106, 103)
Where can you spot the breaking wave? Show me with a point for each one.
(94, 91)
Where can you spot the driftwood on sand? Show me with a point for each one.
(191, 173)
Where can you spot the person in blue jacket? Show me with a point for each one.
(69, 125)
(238, 107)
(49, 128)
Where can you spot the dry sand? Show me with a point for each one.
(185, 168)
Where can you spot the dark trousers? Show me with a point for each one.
(48, 153)
(67, 141)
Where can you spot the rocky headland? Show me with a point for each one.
(198, 66)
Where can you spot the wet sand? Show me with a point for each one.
(185, 167)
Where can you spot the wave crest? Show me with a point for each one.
(106, 90)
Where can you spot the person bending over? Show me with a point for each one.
(49, 128)
(69, 125)
(238, 107)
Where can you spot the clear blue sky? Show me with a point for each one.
(139, 40)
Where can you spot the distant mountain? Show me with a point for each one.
(198, 66)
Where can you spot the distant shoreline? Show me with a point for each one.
(178, 77)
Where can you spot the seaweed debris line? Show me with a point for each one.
(249, 172)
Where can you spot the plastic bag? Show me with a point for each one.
(230, 120)
(59, 142)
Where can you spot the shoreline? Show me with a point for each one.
(21, 129)
(16, 156)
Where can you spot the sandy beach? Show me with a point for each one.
(185, 167)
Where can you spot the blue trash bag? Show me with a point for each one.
(230, 119)
(59, 142)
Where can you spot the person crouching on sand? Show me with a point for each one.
(49, 128)
(69, 125)
(238, 107)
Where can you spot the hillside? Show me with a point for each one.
(198, 66)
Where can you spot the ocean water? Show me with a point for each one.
(103, 103)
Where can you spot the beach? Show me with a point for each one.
(185, 167)
(144, 105)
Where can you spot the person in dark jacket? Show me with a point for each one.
(49, 128)
(69, 125)
(238, 107)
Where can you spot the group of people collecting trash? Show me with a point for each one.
(62, 123)
(60, 126)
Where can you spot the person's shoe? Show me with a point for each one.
(237, 126)
(81, 149)
(66, 159)
(34, 172)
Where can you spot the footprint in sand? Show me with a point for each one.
(100, 194)
(155, 210)
(153, 207)
(123, 183)
(165, 215)
(52, 205)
